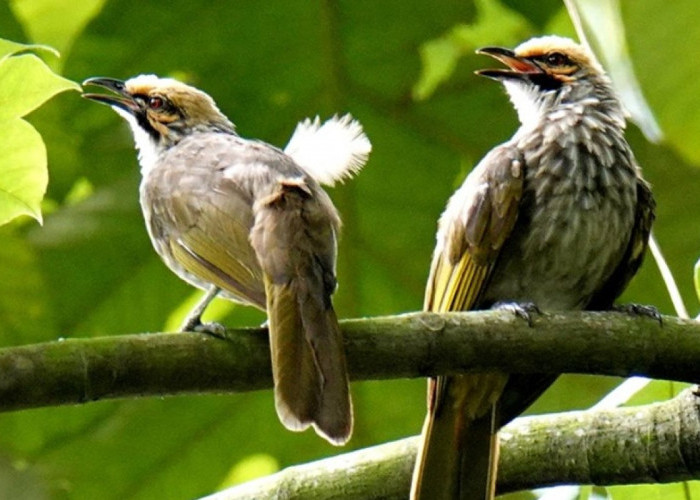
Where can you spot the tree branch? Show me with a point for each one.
(655, 443)
(410, 345)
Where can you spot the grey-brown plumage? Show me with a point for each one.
(244, 219)
(558, 216)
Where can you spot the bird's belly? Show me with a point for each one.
(562, 256)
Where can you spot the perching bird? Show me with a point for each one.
(557, 217)
(246, 220)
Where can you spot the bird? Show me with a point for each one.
(250, 222)
(557, 218)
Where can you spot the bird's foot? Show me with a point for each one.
(523, 310)
(193, 321)
(194, 324)
(643, 310)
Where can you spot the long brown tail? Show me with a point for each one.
(308, 364)
(459, 454)
(294, 239)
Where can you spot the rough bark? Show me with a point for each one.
(411, 345)
(655, 443)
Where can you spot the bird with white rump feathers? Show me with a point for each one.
(245, 220)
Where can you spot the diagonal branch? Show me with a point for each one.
(655, 443)
(409, 345)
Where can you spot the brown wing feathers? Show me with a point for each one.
(458, 456)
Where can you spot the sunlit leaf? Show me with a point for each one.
(8, 48)
(39, 19)
(23, 167)
(26, 82)
(495, 24)
(81, 190)
(655, 391)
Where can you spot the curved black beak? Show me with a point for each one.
(123, 100)
(520, 68)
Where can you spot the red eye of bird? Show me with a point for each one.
(155, 103)
(557, 59)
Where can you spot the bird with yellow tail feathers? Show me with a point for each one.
(250, 222)
(557, 217)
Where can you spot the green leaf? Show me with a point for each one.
(23, 166)
(38, 18)
(26, 82)
(603, 28)
(8, 48)
(661, 37)
(696, 279)
(495, 24)
(439, 58)
(655, 391)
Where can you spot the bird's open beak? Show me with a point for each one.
(520, 68)
(123, 100)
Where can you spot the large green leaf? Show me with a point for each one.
(661, 52)
(8, 48)
(39, 19)
(25, 83)
(23, 166)
(602, 26)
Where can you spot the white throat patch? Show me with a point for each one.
(526, 102)
(147, 147)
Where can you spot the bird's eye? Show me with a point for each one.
(557, 59)
(155, 103)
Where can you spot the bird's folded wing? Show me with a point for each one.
(216, 246)
(634, 254)
(474, 227)
(477, 222)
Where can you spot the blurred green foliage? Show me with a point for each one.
(90, 269)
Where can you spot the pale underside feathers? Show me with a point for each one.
(332, 151)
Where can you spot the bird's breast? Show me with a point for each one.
(574, 224)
